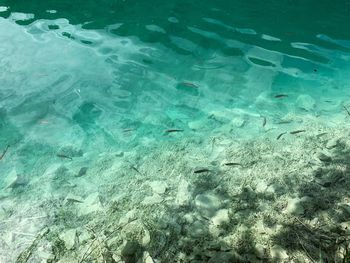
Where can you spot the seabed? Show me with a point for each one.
(226, 159)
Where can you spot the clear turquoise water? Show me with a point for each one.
(85, 79)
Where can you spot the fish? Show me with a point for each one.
(174, 130)
(4, 152)
(189, 84)
(297, 131)
(281, 96)
(232, 164)
(203, 170)
(82, 171)
(264, 121)
(64, 156)
(279, 136)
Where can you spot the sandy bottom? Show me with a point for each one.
(213, 200)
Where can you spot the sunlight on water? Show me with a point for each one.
(178, 131)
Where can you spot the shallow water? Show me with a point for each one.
(114, 87)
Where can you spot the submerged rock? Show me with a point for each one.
(221, 217)
(305, 102)
(90, 204)
(15, 180)
(332, 143)
(69, 237)
(295, 207)
(183, 196)
(158, 187)
(151, 200)
(207, 204)
(324, 157)
(278, 254)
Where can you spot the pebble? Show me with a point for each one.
(69, 238)
(183, 196)
(158, 187)
(221, 217)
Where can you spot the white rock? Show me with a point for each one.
(278, 253)
(305, 102)
(332, 143)
(91, 204)
(261, 187)
(147, 258)
(260, 251)
(151, 200)
(295, 207)
(183, 195)
(221, 217)
(158, 187)
(129, 216)
(14, 180)
(69, 238)
(146, 238)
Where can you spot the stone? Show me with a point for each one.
(14, 180)
(295, 207)
(261, 251)
(91, 204)
(147, 258)
(261, 187)
(183, 196)
(197, 229)
(278, 253)
(221, 217)
(324, 157)
(208, 204)
(305, 102)
(146, 238)
(151, 200)
(158, 187)
(332, 143)
(345, 226)
(128, 217)
(69, 238)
